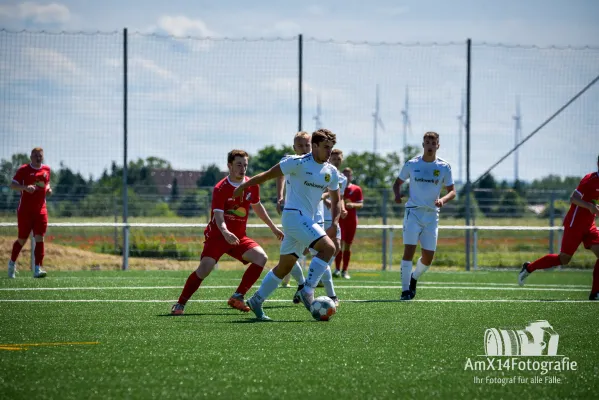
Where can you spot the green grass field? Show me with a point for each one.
(375, 347)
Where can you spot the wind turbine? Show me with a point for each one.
(316, 118)
(517, 135)
(376, 119)
(407, 123)
(461, 125)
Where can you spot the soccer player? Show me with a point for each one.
(301, 146)
(33, 181)
(579, 227)
(226, 233)
(336, 159)
(354, 200)
(308, 176)
(428, 174)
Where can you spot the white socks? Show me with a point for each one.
(327, 281)
(420, 269)
(406, 274)
(269, 285)
(315, 272)
(298, 274)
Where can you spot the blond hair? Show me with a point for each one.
(337, 152)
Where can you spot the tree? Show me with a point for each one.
(210, 176)
(511, 205)
(266, 158)
(486, 196)
(174, 191)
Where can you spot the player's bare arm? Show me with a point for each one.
(219, 217)
(262, 177)
(20, 188)
(280, 194)
(448, 197)
(397, 190)
(335, 213)
(576, 198)
(263, 215)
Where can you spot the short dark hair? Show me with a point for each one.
(322, 135)
(236, 153)
(431, 135)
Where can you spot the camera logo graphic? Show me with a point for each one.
(537, 339)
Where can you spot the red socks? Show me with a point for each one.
(548, 261)
(39, 253)
(251, 275)
(346, 257)
(338, 261)
(595, 288)
(16, 249)
(191, 285)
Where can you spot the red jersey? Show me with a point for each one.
(235, 211)
(33, 202)
(589, 189)
(353, 194)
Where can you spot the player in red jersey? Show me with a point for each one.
(579, 227)
(354, 200)
(225, 234)
(33, 181)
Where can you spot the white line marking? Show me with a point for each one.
(526, 288)
(288, 301)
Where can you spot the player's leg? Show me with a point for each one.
(25, 225)
(327, 276)
(248, 251)
(346, 251)
(339, 255)
(595, 286)
(428, 243)
(570, 242)
(286, 280)
(411, 234)
(40, 226)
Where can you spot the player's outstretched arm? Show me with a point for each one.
(397, 190)
(262, 177)
(263, 215)
(335, 206)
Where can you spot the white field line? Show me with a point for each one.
(526, 288)
(288, 301)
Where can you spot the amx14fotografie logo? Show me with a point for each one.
(533, 349)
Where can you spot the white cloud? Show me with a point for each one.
(152, 67)
(182, 26)
(52, 13)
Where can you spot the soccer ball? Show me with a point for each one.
(323, 308)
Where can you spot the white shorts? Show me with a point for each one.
(423, 225)
(300, 232)
(327, 224)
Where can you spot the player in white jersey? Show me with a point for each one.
(307, 178)
(301, 146)
(428, 174)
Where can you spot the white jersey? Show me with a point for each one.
(426, 181)
(306, 181)
(342, 185)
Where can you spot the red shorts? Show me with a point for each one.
(348, 230)
(574, 236)
(215, 247)
(27, 222)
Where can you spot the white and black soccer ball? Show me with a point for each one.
(323, 308)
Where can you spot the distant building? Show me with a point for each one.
(163, 179)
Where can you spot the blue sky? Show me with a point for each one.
(193, 100)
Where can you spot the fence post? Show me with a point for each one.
(300, 54)
(116, 220)
(475, 249)
(384, 214)
(468, 188)
(551, 221)
(125, 201)
(390, 263)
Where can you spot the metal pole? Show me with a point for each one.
(475, 248)
(468, 188)
(384, 212)
(551, 221)
(300, 53)
(116, 219)
(390, 249)
(125, 202)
